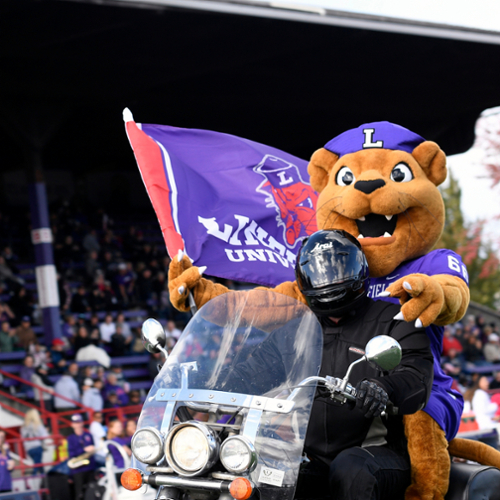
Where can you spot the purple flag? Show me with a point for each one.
(236, 206)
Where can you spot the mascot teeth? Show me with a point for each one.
(377, 226)
(360, 236)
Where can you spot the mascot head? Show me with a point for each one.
(379, 182)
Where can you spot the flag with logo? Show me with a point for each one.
(236, 206)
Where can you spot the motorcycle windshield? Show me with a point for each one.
(240, 351)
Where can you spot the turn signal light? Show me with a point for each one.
(132, 479)
(241, 488)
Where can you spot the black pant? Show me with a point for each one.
(373, 473)
(80, 482)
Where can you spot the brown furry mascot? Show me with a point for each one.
(379, 183)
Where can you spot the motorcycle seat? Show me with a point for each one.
(473, 482)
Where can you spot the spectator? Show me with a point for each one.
(124, 282)
(25, 333)
(33, 428)
(131, 426)
(21, 303)
(120, 321)
(64, 293)
(120, 378)
(91, 396)
(92, 265)
(451, 363)
(6, 274)
(66, 386)
(137, 345)
(27, 371)
(111, 401)
(98, 432)
(41, 379)
(84, 372)
(69, 327)
(112, 385)
(495, 383)
(6, 465)
(478, 400)
(107, 329)
(8, 338)
(119, 343)
(6, 313)
(172, 331)
(144, 288)
(473, 350)
(82, 338)
(115, 433)
(492, 349)
(80, 302)
(80, 442)
(90, 242)
(39, 353)
(58, 356)
(450, 341)
(10, 259)
(94, 353)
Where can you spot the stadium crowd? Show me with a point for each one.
(111, 276)
(111, 271)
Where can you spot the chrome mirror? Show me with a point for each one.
(153, 336)
(383, 352)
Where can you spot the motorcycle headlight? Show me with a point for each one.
(147, 445)
(191, 448)
(238, 455)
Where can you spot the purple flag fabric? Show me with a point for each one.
(236, 206)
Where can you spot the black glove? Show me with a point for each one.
(371, 399)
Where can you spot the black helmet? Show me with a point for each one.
(332, 272)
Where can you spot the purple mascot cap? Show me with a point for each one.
(381, 135)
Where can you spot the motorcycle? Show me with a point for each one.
(210, 430)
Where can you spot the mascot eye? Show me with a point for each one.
(401, 173)
(345, 177)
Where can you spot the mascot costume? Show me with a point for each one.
(379, 183)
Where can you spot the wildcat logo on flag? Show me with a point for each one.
(236, 206)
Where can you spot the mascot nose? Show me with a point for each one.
(368, 187)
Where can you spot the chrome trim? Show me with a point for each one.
(161, 470)
(184, 482)
(230, 399)
(225, 476)
(160, 439)
(168, 417)
(251, 425)
(212, 442)
(252, 461)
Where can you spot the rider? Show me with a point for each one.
(366, 453)
(363, 453)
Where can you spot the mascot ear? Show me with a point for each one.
(432, 160)
(320, 166)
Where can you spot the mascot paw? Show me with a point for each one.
(427, 298)
(182, 278)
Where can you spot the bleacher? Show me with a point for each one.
(135, 369)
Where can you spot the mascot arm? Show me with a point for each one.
(183, 277)
(440, 299)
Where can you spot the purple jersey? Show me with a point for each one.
(76, 445)
(5, 477)
(117, 456)
(445, 405)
